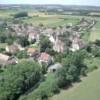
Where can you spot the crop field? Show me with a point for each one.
(50, 21)
(88, 89)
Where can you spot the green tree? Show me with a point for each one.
(16, 80)
(21, 54)
(95, 51)
(73, 65)
(23, 41)
(21, 14)
(44, 43)
(97, 42)
(45, 90)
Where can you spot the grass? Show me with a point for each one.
(51, 20)
(94, 36)
(92, 63)
(95, 33)
(3, 45)
(88, 89)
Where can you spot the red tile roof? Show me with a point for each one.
(44, 56)
(31, 50)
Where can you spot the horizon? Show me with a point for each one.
(52, 2)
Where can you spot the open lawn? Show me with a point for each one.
(88, 89)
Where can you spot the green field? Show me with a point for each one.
(94, 36)
(36, 17)
(88, 89)
(50, 21)
(95, 33)
(3, 45)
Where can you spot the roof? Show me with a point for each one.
(55, 66)
(4, 57)
(44, 56)
(34, 33)
(31, 50)
(76, 40)
(48, 31)
(12, 48)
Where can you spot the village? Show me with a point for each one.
(61, 39)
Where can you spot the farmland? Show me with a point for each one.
(35, 17)
(50, 20)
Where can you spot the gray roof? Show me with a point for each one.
(55, 66)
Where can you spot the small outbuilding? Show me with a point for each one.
(54, 68)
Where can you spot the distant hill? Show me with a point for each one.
(63, 7)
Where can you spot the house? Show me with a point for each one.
(84, 22)
(12, 49)
(6, 60)
(33, 36)
(45, 59)
(4, 57)
(48, 32)
(32, 52)
(54, 68)
(12, 60)
(77, 44)
(58, 45)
